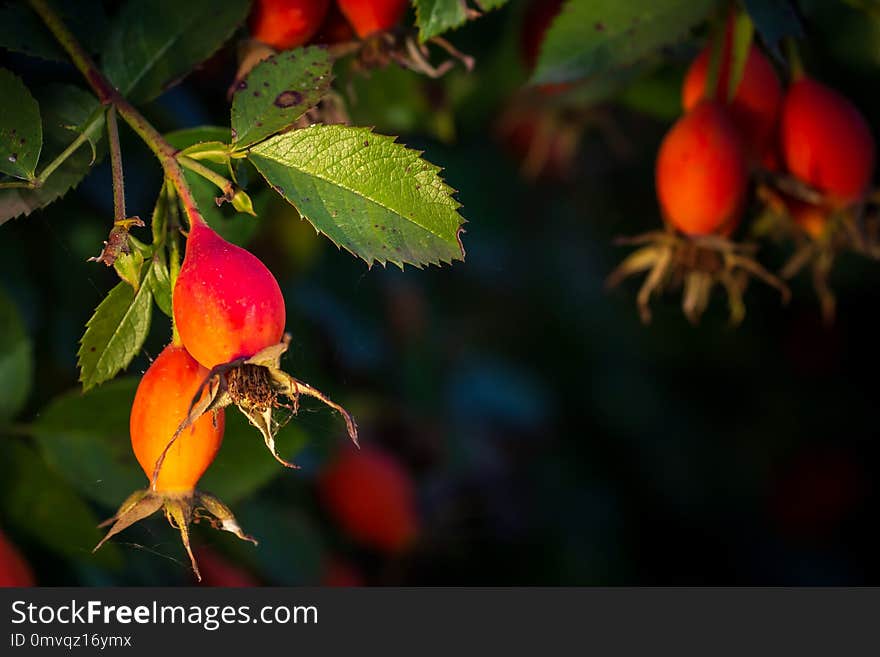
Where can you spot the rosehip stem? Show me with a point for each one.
(109, 95)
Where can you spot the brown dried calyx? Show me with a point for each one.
(256, 386)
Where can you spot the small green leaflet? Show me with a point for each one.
(277, 92)
(369, 195)
(438, 16)
(21, 130)
(590, 37)
(115, 333)
(155, 43)
(16, 360)
(434, 17)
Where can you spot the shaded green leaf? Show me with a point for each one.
(277, 92)
(160, 284)
(589, 37)
(115, 333)
(67, 112)
(155, 43)
(774, 20)
(21, 131)
(368, 194)
(487, 5)
(438, 16)
(42, 506)
(86, 438)
(16, 360)
(743, 30)
(21, 30)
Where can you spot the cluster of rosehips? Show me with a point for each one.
(809, 148)
(229, 318)
(285, 24)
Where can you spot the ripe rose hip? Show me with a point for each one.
(285, 24)
(14, 570)
(161, 403)
(826, 141)
(370, 16)
(754, 108)
(372, 497)
(701, 172)
(227, 304)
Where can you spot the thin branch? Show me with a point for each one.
(116, 167)
(109, 95)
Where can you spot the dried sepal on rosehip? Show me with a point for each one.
(701, 178)
(819, 232)
(230, 314)
(162, 401)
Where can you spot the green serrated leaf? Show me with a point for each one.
(42, 506)
(67, 111)
(21, 131)
(435, 17)
(115, 333)
(277, 92)
(16, 360)
(155, 43)
(128, 266)
(21, 30)
(590, 37)
(86, 438)
(368, 194)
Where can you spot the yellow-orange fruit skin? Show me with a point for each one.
(701, 173)
(227, 304)
(161, 403)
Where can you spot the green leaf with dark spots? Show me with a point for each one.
(21, 130)
(370, 195)
(277, 92)
(68, 111)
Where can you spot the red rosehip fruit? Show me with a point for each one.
(701, 173)
(227, 304)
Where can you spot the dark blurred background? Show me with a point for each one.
(552, 438)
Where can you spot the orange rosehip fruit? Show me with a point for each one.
(14, 570)
(161, 403)
(754, 109)
(370, 16)
(372, 497)
(227, 304)
(701, 174)
(826, 142)
(285, 24)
